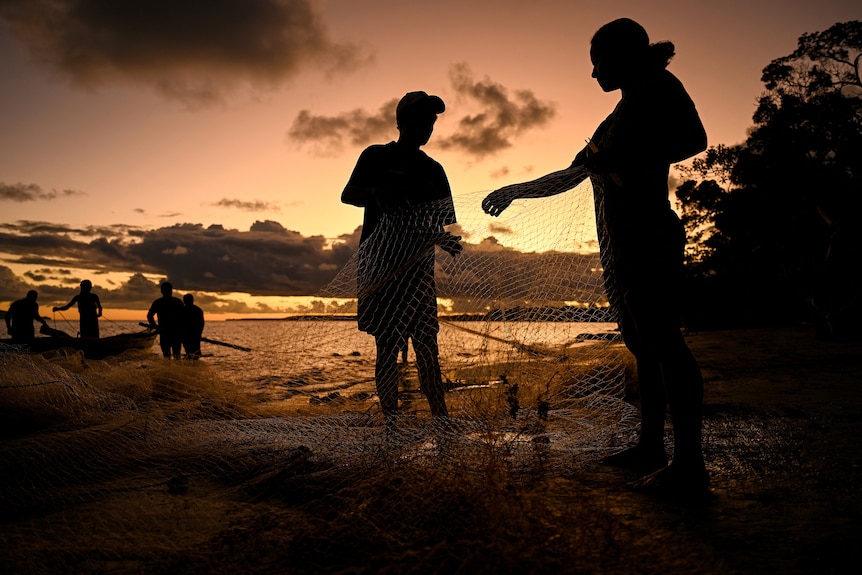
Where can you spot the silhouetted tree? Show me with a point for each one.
(778, 218)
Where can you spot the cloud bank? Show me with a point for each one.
(247, 206)
(193, 51)
(265, 260)
(32, 193)
(328, 135)
(502, 119)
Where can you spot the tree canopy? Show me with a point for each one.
(775, 222)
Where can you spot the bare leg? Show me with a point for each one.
(648, 454)
(430, 380)
(386, 377)
(686, 475)
(668, 375)
(684, 383)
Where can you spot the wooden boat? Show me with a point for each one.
(92, 347)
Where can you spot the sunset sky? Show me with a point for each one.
(139, 139)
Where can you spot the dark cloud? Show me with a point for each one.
(246, 206)
(53, 245)
(501, 119)
(268, 226)
(194, 51)
(35, 227)
(329, 134)
(500, 273)
(137, 293)
(500, 173)
(12, 287)
(266, 260)
(496, 228)
(32, 193)
(491, 274)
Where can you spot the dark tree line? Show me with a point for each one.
(775, 223)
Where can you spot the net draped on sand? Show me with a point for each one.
(116, 445)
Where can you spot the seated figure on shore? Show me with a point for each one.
(20, 317)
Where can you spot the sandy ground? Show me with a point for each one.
(783, 416)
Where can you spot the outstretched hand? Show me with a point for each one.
(498, 200)
(450, 244)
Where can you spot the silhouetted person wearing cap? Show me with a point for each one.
(654, 125)
(193, 327)
(20, 317)
(89, 310)
(407, 203)
(169, 311)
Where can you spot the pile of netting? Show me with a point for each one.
(137, 464)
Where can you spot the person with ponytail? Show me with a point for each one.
(642, 242)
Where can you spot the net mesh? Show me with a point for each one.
(133, 463)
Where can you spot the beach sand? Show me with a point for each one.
(787, 497)
(783, 416)
(783, 420)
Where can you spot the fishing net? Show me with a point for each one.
(137, 464)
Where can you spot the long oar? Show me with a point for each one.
(533, 349)
(234, 346)
(206, 339)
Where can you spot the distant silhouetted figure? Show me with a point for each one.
(89, 309)
(407, 203)
(642, 241)
(169, 310)
(193, 327)
(20, 317)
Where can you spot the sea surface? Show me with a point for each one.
(329, 355)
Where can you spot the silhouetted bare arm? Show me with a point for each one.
(67, 306)
(359, 196)
(548, 185)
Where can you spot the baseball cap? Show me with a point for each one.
(413, 102)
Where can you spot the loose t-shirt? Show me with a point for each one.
(396, 290)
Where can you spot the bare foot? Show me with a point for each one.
(638, 458)
(675, 480)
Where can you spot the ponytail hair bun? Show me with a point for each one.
(625, 38)
(661, 53)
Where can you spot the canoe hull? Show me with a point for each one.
(93, 348)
